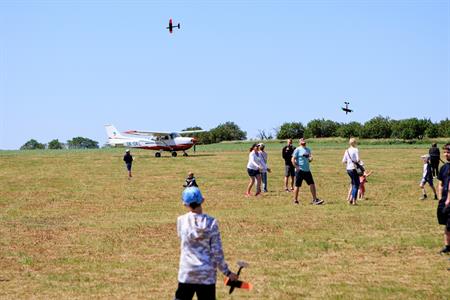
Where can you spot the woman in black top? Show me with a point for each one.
(435, 156)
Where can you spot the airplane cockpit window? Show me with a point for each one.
(174, 135)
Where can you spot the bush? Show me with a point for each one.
(293, 130)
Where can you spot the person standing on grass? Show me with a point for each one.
(427, 177)
(128, 159)
(435, 156)
(443, 209)
(301, 158)
(289, 170)
(254, 168)
(351, 156)
(201, 250)
(265, 168)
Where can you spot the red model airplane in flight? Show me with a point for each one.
(171, 26)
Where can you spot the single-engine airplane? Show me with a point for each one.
(346, 109)
(171, 26)
(152, 140)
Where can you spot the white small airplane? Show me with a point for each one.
(152, 140)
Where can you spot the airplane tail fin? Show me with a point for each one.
(112, 132)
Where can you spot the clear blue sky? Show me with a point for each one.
(69, 67)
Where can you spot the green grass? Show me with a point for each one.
(73, 226)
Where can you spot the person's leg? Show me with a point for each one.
(250, 185)
(424, 193)
(206, 291)
(286, 179)
(292, 182)
(434, 191)
(258, 184)
(349, 196)
(312, 188)
(298, 184)
(185, 291)
(264, 181)
(362, 190)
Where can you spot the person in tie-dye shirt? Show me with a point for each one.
(201, 250)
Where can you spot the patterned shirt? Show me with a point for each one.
(201, 249)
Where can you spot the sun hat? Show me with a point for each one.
(191, 195)
(128, 150)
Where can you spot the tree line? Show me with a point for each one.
(376, 128)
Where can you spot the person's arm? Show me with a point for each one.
(294, 163)
(217, 251)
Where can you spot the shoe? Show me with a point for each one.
(317, 202)
(423, 197)
(296, 202)
(445, 250)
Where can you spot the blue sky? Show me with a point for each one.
(69, 67)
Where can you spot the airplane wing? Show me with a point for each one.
(148, 133)
(190, 131)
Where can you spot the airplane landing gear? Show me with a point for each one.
(158, 154)
(184, 153)
(174, 154)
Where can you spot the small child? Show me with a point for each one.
(427, 177)
(190, 180)
(201, 250)
(362, 183)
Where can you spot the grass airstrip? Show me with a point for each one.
(73, 226)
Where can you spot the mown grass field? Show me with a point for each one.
(73, 226)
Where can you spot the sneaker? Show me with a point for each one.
(423, 197)
(296, 202)
(445, 250)
(317, 202)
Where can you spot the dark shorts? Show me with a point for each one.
(302, 175)
(429, 181)
(289, 171)
(443, 214)
(203, 291)
(253, 173)
(128, 166)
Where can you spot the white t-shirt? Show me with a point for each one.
(352, 153)
(254, 161)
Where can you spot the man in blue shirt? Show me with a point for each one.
(443, 209)
(300, 159)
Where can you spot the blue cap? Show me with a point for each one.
(192, 194)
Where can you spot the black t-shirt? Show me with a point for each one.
(434, 152)
(286, 153)
(128, 158)
(444, 176)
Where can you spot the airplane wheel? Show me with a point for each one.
(174, 154)
(157, 154)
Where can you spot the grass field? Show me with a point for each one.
(73, 226)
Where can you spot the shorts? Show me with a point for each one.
(429, 181)
(253, 173)
(203, 291)
(128, 166)
(289, 171)
(443, 214)
(302, 175)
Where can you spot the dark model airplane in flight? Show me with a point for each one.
(171, 26)
(346, 109)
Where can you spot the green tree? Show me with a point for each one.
(293, 130)
(321, 128)
(32, 145)
(408, 129)
(352, 129)
(377, 128)
(227, 132)
(444, 128)
(55, 144)
(82, 143)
